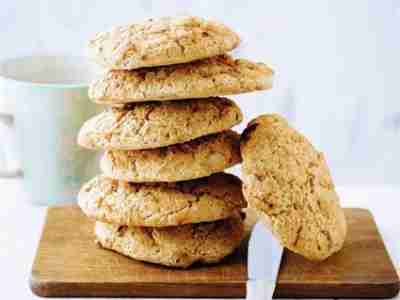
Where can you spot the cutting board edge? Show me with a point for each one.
(201, 290)
(382, 290)
(121, 289)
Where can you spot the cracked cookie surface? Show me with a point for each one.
(216, 76)
(158, 124)
(176, 246)
(289, 184)
(216, 197)
(194, 159)
(162, 41)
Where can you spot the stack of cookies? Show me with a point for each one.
(163, 196)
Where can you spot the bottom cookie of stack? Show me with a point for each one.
(175, 246)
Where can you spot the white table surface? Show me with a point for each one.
(21, 225)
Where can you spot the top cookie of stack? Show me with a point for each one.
(160, 42)
(164, 158)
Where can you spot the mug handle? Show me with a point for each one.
(7, 120)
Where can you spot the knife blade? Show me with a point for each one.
(264, 258)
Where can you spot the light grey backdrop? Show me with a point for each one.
(337, 61)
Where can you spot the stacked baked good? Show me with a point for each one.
(163, 196)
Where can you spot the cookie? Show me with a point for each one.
(198, 158)
(162, 204)
(158, 42)
(158, 124)
(176, 246)
(288, 182)
(216, 76)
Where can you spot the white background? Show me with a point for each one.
(338, 62)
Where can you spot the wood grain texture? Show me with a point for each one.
(68, 263)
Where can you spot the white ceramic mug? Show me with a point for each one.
(49, 103)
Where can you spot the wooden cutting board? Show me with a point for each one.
(69, 263)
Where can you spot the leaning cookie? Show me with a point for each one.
(216, 197)
(158, 124)
(158, 42)
(177, 246)
(288, 182)
(216, 76)
(198, 158)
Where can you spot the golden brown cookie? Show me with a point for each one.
(176, 246)
(158, 42)
(162, 204)
(194, 159)
(288, 182)
(158, 124)
(216, 76)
